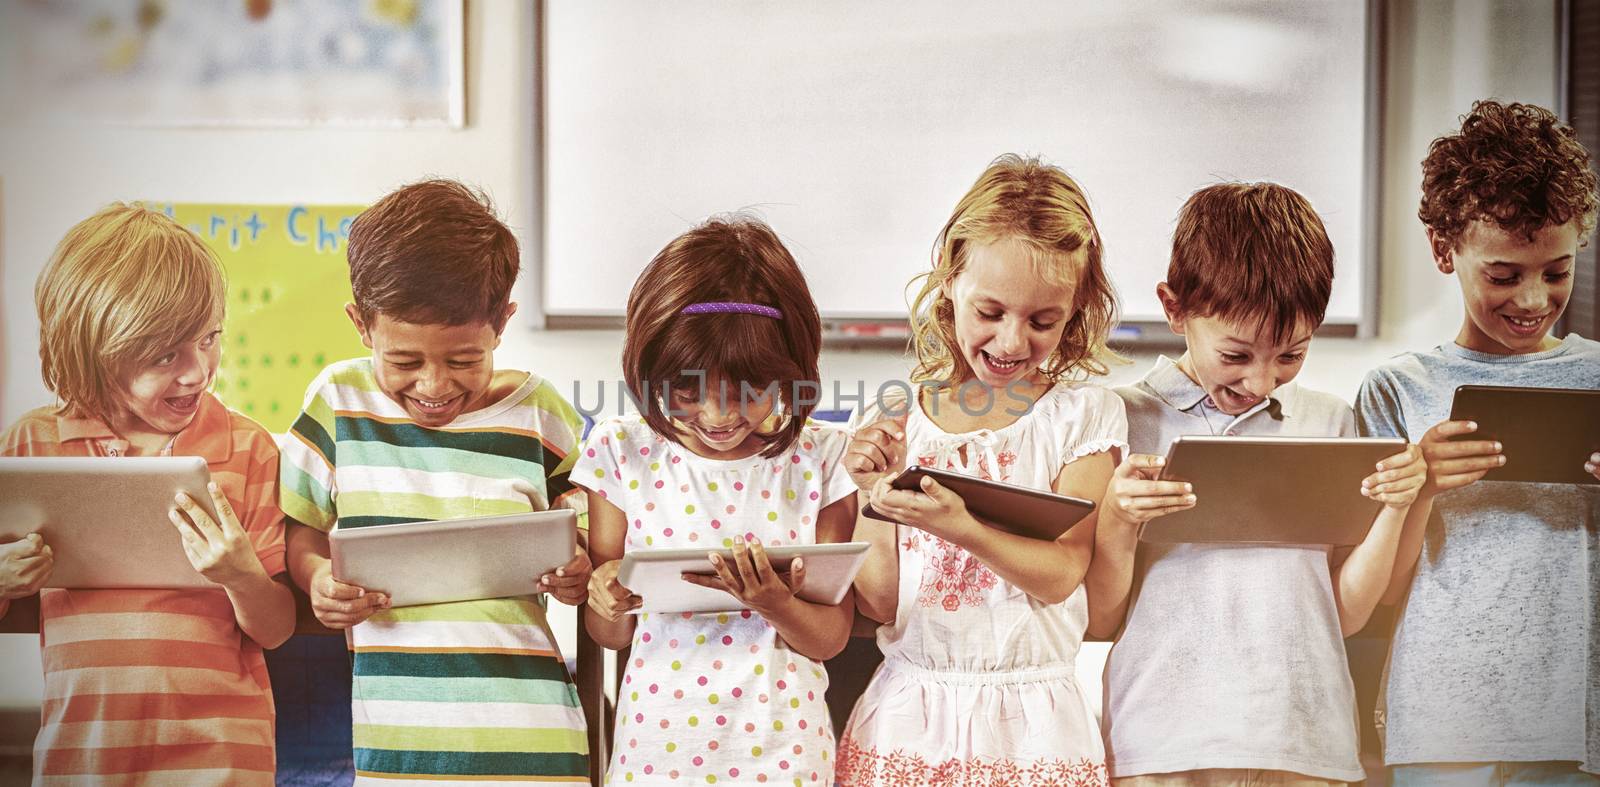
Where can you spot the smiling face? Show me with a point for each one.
(722, 421)
(1237, 363)
(436, 372)
(1514, 288)
(159, 398)
(1008, 318)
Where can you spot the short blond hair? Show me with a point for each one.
(1041, 206)
(123, 286)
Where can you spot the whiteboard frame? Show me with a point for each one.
(859, 330)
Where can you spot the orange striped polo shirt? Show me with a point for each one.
(158, 686)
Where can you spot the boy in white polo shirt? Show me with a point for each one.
(1230, 663)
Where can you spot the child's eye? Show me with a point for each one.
(1234, 358)
(165, 359)
(406, 366)
(1502, 282)
(210, 339)
(1557, 277)
(1292, 357)
(1043, 326)
(463, 364)
(983, 315)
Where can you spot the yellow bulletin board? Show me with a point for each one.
(287, 287)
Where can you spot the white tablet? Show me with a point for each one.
(1272, 490)
(455, 559)
(105, 518)
(656, 575)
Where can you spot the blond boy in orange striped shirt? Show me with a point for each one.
(152, 686)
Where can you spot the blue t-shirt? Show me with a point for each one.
(1496, 655)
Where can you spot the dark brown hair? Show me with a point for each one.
(433, 253)
(1516, 165)
(731, 258)
(1041, 206)
(1252, 251)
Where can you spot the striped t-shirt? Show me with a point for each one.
(158, 686)
(450, 693)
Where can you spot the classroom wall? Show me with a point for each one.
(1441, 54)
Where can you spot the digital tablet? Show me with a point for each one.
(1014, 509)
(455, 559)
(656, 575)
(105, 518)
(1272, 490)
(1546, 434)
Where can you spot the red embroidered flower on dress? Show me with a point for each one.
(859, 766)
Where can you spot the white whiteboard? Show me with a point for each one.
(854, 126)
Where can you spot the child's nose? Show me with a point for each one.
(1535, 297)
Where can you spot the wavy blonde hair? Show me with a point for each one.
(1039, 205)
(121, 288)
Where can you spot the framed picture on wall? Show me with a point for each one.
(245, 63)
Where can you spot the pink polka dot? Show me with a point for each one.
(794, 459)
(623, 759)
(648, 769)
(617, 474)
(805, 520)
(633, 743)
(766, 493)
(713, 745)
(782, 685)
(731, 509)
(784, 764)
(591, 452)
(733, 772)
(672, 643)
(673, 773)
(638, 524)
(654, 688)
(763, 698)
(677, 695)
(638, 718)
(698, 760)
(675, 460)
(645, 636)
(798, 750)
(811, 695)
(694, 536)
(667, 532)
(815, 495)
(738, 486)
(802, 724)
(715, 524)
(737, 692)
(638, 662)
(688, 615)
(754, 649)
(627, 678)
(605, 440)
(749, 536)
(683, 488)
(644, 451)
(649, 506)
(660, 484)
(602, 493)
(761, 777)
(721, 720)
(749, 727)
(727, 640)
(664, 724)
(744, 613)
(793, 534)
(792, 667)
(702, 680)
(716, 664)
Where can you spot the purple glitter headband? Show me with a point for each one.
(725, 307)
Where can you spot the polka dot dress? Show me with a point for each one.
(716, 698)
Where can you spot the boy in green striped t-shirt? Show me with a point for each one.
(428, 429)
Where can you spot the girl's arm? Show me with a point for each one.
(605, 616)
(818, 631)
(1361, 579)
(877, 585)
(1048, 571)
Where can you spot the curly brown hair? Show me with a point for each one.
(1517, 165)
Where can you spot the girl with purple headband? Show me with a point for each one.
(722, 336)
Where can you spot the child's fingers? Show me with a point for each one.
(760, 565)
(204, 525)
(1146, 466)
(1475, 464)
(567, 581)
(796, 578)
(1150, 503)
(1593, 465)
(706, 581)
(1448, 429)
(230, 520)
(726, 574)
(1458, 450)
(186, 529)
(743, 565)
(866, 457)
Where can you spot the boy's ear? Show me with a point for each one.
(1170, 306)
(1444, 253)
(354, 314)
(505, 319)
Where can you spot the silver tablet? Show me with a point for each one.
(1272, 490)
(455, 559)
(105, 518)
(656, 575)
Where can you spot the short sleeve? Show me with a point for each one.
(831, 444)
(1378, 412)
(561, 430)
(306, 486)
(1096, 424)
(258, 509)
(887, 404)
(599, 464)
